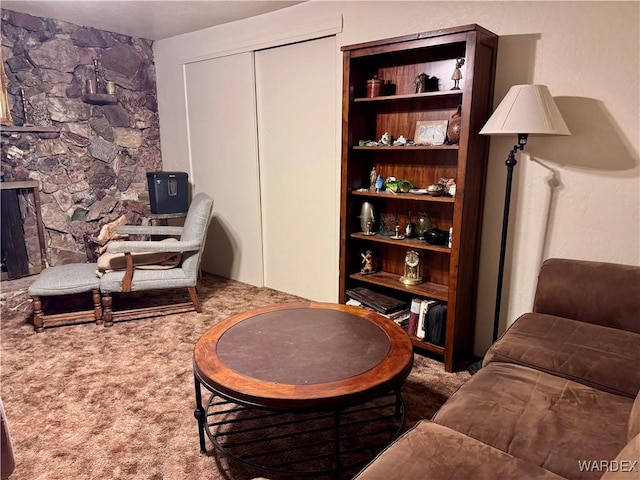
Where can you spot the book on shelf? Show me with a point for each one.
(399, 315)
(425, 305)
(414, 316)
(437, 324)
(379, 302)
(404, 323)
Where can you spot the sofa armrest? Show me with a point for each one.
(433, 451)
(593, 292)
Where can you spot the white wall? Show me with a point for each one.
(574, 197)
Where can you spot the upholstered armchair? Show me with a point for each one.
(175, 264)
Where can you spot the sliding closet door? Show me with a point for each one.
(224, 162)
(296, 89)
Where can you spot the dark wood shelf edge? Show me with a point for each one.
(405, 196)
(407, 242)
(409, 96)
(99, 99)
(426, 345)
(392, 281)
(19, 185)
(408, 148)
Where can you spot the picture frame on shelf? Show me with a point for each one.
(430, 132)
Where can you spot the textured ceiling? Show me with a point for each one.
(152, 19)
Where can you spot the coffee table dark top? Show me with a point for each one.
(303, 355)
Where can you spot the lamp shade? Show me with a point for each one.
(527, 109)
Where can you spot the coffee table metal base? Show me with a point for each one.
(300, 443)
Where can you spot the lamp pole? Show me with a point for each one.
(510, 163)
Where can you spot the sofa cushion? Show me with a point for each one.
(602, 357)
(593, 292)
(432, 451)
(543, 419)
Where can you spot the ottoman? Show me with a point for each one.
(74, 278)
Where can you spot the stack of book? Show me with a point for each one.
(392, 308)
(422, 318)
(419, 314)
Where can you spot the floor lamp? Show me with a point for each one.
(525, 110)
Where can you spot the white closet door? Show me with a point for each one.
(296, 89)
(224, 162)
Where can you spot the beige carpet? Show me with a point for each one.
(88, 402)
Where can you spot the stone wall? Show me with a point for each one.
(92, 172)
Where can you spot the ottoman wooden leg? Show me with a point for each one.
(97, 306)
(38, 321)
(107, 312)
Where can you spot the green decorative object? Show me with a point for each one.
(398, 186)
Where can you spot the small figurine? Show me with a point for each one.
(421, 83)
(400, 141)
(367, 262)
(449, 185)
(457, 74)
(372, 180)
(379, 183)
(398, 235)
(385, 139)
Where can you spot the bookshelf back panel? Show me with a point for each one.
(401, 68)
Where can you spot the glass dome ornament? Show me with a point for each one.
(412, 268)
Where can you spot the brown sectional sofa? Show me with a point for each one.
(557, 396)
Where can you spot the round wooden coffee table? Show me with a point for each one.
(299, 358)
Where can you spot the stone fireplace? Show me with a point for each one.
(90, 157)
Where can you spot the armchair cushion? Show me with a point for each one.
(148, 280)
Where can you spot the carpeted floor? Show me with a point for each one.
(88, 402)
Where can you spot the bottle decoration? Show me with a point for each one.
(453, 129)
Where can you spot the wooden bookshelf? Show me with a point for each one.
(449, 274)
